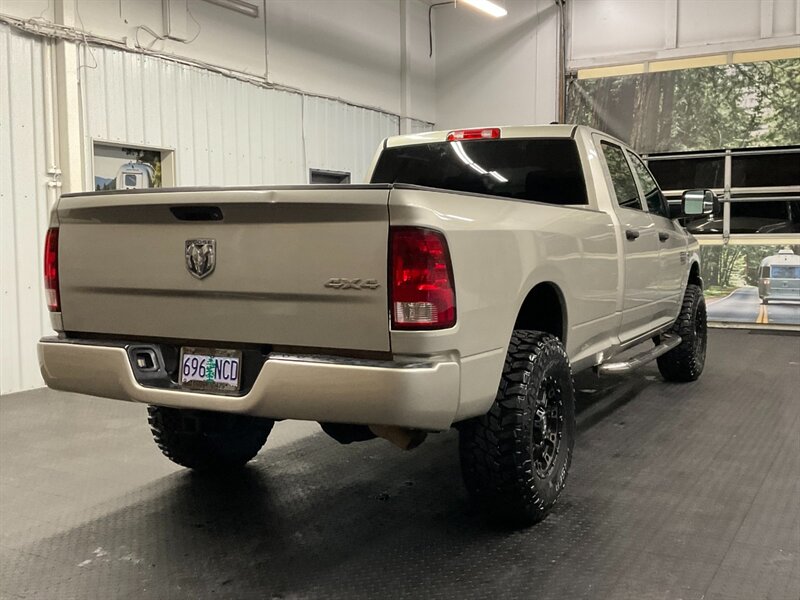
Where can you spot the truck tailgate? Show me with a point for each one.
(303, 266)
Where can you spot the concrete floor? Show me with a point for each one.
(676, 491)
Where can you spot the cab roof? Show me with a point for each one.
(523, 131)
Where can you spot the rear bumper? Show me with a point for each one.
(778, 295)
(422, 394)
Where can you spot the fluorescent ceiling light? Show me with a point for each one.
(487, 6)
(240, 6)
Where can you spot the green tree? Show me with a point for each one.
(735, 106)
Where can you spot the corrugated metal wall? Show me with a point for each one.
(23, 209)
(224, 131)
(344, 138)
(416, 126)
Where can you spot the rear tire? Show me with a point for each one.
(686, 361)
(207, 441)
(515, 458)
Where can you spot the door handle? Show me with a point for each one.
(631, 234)
(663, 236)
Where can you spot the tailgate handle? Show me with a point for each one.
(197, 213)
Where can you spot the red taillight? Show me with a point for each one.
(423, 296)
(487, 133)
(51, 270)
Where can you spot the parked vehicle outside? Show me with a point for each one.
(779, 277)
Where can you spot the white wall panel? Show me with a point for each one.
(496, 71)
(415, 126)
(612, 27)
(613, 31)
(224, 131)
(344, 138)
(23, 209)
(348, 49)
(785, 19)
(733, 21)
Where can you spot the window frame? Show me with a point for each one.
(610, 180)
(169, 171)
(344, 177)
(632, 156)
(589, 201)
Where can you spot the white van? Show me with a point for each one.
(779, 277)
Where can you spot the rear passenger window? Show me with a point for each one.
(621, 177)
(652, 194)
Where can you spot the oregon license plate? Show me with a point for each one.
(210, 370)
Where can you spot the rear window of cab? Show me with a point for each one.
(537, 170)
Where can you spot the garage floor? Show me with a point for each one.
(676, 491)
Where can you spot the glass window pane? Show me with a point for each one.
(688, 173)
(785, 272)
(117, 167)
(652, 194)
(541, 170)
(763, 170)
(765, 217)
(738, 277)
(621, 177)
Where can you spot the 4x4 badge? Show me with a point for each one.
(201, 257)
(341, 283)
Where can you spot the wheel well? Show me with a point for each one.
(694, 275)
(544, 310)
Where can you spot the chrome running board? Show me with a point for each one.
(668, 342)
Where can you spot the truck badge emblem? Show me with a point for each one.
(201, 257)
(342, 283)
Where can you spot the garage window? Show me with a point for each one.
(122, 167)
(321, 176)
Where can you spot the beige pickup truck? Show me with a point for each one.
(461, 287)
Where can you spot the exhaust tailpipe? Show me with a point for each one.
(405, 439)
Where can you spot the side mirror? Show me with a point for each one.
(698, 202)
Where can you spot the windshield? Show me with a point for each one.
(785, 272)
(541, 170)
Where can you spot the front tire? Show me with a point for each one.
(686, 361)
(515, 458)
(205, 440)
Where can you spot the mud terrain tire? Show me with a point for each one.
(515, 458)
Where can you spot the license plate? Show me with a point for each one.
(210, 370)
